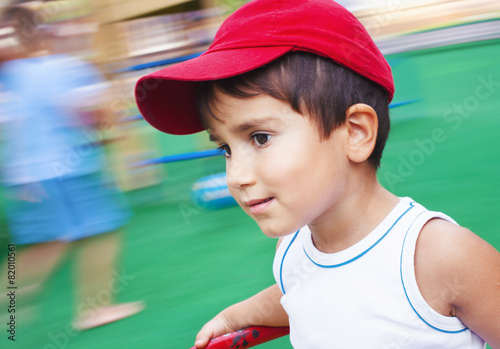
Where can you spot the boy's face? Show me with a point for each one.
(278, 169)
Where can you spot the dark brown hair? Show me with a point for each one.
(309, 83)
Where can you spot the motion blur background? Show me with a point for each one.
(188, 262)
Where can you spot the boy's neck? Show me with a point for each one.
(363, 208)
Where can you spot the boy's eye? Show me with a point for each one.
(261, 138)
(225, 148)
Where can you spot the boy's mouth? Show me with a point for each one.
(258, 206)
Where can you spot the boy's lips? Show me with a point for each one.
(259, 205)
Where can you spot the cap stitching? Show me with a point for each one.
(273, 25)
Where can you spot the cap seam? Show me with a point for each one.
(246, 47)
(273, 24)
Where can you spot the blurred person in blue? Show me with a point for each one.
(59, 194)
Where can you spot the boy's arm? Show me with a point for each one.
(262, 309)
(460, 271)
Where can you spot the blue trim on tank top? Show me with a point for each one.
(283, 259)
(404, 288)
(365, 251)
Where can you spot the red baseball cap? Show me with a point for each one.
(258, 33)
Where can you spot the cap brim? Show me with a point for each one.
(166, 98)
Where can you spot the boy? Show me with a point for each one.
(297, 95)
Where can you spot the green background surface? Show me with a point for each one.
(187, 264)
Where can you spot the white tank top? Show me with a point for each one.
(365, 296)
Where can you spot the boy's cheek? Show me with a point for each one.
(244, 208)
(235, 197)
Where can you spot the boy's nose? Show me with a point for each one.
(239, 174)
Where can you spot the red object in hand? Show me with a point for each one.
(247, 337)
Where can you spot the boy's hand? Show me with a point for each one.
(262, 309)
(218, 326)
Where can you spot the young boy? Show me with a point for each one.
(297, 95)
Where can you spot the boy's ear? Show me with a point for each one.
(362, 128)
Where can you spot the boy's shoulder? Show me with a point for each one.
(449, 244)
(453, 267)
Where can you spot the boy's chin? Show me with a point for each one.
(273, 232)
(271, 228)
